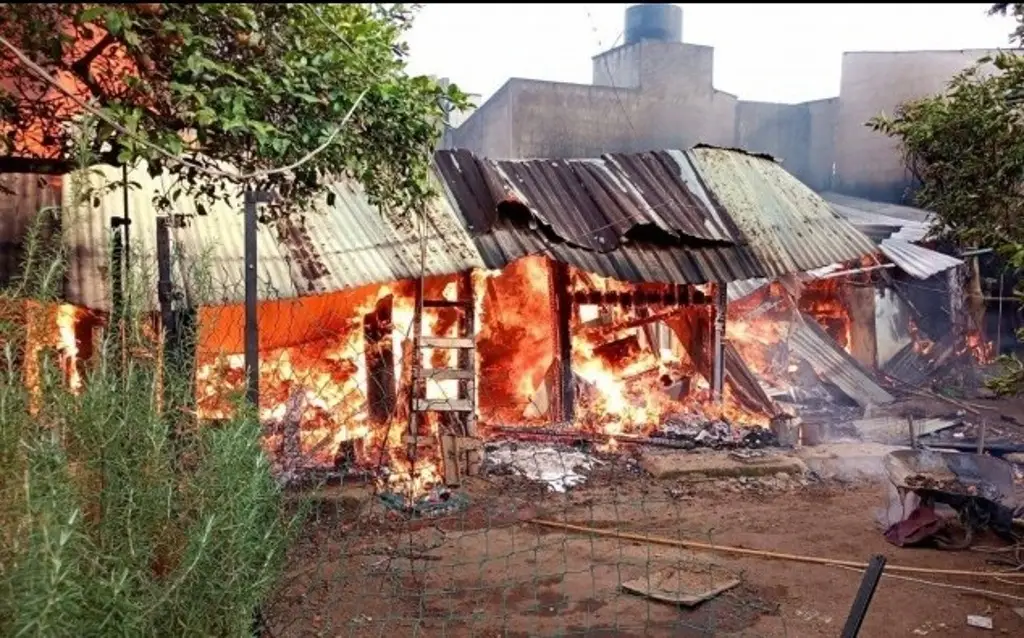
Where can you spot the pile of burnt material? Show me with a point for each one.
(693, 431)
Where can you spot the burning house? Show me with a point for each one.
(864, 328)
(584, 296)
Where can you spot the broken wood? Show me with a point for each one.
(675, 296)
(743, 551)
(443, 405)
(602, 330)
(461, 456)
(444, 374)
(446, 342)
(540, 434)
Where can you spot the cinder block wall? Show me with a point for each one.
(660, 95)
(869, 164)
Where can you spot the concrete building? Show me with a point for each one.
(656, 91)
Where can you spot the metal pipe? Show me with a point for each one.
(856, 271)
(252, 329)
(865, 593)
(974, 252)
(127, 234)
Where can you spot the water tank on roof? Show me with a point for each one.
(661, 22)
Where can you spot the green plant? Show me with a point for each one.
(965, 146)
(119, 516)
(255, 86)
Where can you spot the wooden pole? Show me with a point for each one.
(721, 304)
(563, 337)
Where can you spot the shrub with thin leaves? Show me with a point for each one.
(119, 514)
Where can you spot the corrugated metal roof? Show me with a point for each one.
(787, 225)
(668, 216)
(810, 342)
(881, 220)
(567, 206)
(328, 249)
(590, 203)
(917, 261)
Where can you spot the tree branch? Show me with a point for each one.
(81, 66)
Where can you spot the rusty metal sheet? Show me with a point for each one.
(22, 197)
(590, 203)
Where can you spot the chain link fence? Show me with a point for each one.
(473, 534)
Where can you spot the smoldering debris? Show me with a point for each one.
(439, 501)
(715, 433)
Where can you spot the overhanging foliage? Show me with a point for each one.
(256, 86)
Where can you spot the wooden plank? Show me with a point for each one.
(467, 358)
(443, 405)
(445, 374)
(446, 342)
(420, 441)
(459, 304)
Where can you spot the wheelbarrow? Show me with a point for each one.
(980, 489)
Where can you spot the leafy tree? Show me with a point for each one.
(255, 86)
(1017, 11)
(965, 146)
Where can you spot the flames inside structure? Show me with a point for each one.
(335, 369)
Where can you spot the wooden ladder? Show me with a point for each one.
(464, 403)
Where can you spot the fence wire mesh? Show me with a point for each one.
(387, 547)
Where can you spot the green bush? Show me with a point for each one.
(119, 516)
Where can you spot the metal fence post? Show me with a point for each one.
(864, 595)
(252, 329)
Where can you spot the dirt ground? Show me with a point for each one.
(487, 571)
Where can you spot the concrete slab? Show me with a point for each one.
(672, 464)
(847, 461)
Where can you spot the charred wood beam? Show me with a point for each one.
(563, 303)
(540, 434)
(956, 280)
(718, 381)
(608, 330)
(382, 394)
(677, 296)
(467, 357)
(859, 299)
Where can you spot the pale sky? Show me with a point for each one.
(768, 52)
